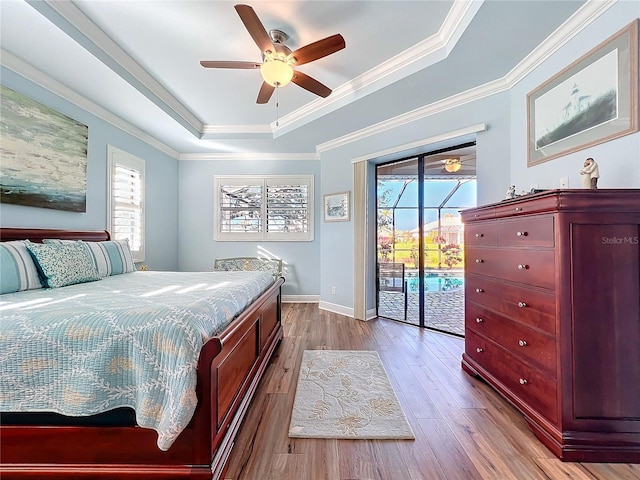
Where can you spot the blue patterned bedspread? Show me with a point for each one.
(127, 340)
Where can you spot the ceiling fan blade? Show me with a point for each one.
(255, 28)
(318, 49)
(232, 64)
(265, 93)
(439, 163)
(308, 83)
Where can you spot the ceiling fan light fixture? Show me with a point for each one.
(452, 165)
(276, 72)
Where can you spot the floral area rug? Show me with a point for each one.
(346, 394)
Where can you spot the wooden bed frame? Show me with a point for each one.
(229, 370)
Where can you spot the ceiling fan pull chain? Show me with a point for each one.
(277, 105)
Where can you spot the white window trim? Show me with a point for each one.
(115, 156)
(263, 235)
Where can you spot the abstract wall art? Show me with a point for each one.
(43, 155)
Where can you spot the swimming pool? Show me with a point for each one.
(437, 282)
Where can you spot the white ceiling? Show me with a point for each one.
(139, 60)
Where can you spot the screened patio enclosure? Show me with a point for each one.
(420, 241)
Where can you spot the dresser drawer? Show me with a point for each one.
(471, 215)
(526, 206)
(532, 346)
(533, 307)
(481, 233)
(530, 231)
(526, 383)
(531, 267)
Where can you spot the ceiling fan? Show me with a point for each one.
(450, 164)
(278, 61)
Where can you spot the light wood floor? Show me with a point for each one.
(464, 430)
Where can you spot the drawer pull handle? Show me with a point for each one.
(479, 260)
(479, 235)
(479, 320)
(518, 209)
(479, 350)
(475, 215)
(522, 234)
(522, 343)
(523, 266)
(479, 290)
(523, 381)
(522, 304)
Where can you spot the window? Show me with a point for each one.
(125, 205)
(265, 208)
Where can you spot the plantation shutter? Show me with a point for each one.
(127, 201)
(271, 208)
(240, 208)
(287, 207)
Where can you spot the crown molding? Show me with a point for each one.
(480, 127)
(38, 77)
(250, 156)
(425, 53)
(71, 20)
(215, 132)
(457, 20)
(66, 16)
(581, 19)
(584, 16)
(445, 104)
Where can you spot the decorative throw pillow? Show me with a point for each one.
(64, 264)
(18, 272)
(112, 257)
(119, 255)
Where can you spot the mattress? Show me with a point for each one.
(130, 340)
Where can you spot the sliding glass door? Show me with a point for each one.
(420, 238)
(398, 226)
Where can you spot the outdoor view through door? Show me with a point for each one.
(420, 237)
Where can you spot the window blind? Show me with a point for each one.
(287, 208)
(126, 200)
(127, 206)
(274, 208)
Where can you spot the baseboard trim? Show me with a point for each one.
(300, 298)
(334, 308)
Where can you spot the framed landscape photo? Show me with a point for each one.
(336, 207)
(592, 101)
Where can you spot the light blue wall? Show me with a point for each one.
(161, 182)
(618, 160)
(501, 155)
(198, 249)
(492, 150)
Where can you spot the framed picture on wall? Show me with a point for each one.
(43, 160)
(336, 207)
(592, 101)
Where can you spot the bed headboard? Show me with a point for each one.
(38, 234)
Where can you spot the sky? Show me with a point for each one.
(434, 193)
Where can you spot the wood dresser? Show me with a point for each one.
(552, 316)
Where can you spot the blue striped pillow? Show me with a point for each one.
(119, 255)
(18, 272)
(112, 257)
